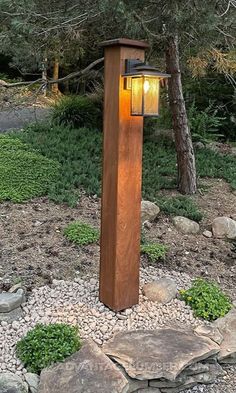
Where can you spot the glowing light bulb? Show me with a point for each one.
(146, 86)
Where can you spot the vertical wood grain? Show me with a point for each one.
(121, 187)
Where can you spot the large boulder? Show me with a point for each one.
(87, 371)
(162, 353)
(149, 211)
(160, 291)
(185, 225)
(227, 327)
(12, 383)
(224, 227)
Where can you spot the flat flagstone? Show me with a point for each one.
(227, 327)
(162, 353)
(86, 371)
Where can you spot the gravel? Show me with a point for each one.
(77, 302)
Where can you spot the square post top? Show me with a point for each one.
(125, 42)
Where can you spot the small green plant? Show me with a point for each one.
(47, 344)
(206, 299)
(180, 206)
(24, 173)
(154, 251)
(76, 112)
(81, 233)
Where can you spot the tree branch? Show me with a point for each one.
(52, 81)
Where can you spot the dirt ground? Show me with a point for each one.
(34, 250)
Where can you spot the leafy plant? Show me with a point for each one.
(205, 124)
(77, 112)
(180, 206)
(206, 299)
(154, 251)
(24, 173)
(81, 233)
(47, 344)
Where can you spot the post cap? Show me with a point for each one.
(125, 42)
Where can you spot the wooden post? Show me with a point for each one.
(121, 187)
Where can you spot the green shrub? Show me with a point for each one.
(79, 153)
(154, 251)
(205, 124)
(24, 174)
(206, 299)
(81, 233)
(180, 206)
(77, 112)
(47, 344)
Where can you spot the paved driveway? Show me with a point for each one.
(18, 118)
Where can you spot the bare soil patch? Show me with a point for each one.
(33, 248)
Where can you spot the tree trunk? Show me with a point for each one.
(44, 75)
(187, 182)
(55, 89)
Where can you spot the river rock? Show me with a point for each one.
(32, 381)
(10, 301)
(12, 383)
(185, 225)
(11, 316)
(88, 370)
(224, 227)
(149, 211)
(207, 234)
(161, 291)
(162, 353)
(227, 327)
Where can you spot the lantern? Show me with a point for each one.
(143, 81)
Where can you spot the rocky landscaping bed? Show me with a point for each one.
(157, 346)
(152, 347)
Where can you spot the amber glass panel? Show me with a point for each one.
(137, 96)
(151, 96)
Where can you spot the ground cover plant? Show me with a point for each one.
(47, 344)
(81, 234)
(24, 173)
(180, 205)
(154, 251)
(206, 299)
(79, 151)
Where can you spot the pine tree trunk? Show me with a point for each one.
(55, 89)
(187, 182)
(44, 75)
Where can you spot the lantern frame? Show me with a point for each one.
(138, 69)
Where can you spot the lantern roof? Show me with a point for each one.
(138, 68)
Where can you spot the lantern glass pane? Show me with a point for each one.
(151, 96)
(137, 96)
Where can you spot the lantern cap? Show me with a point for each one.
(125, 42)
(138, 68)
